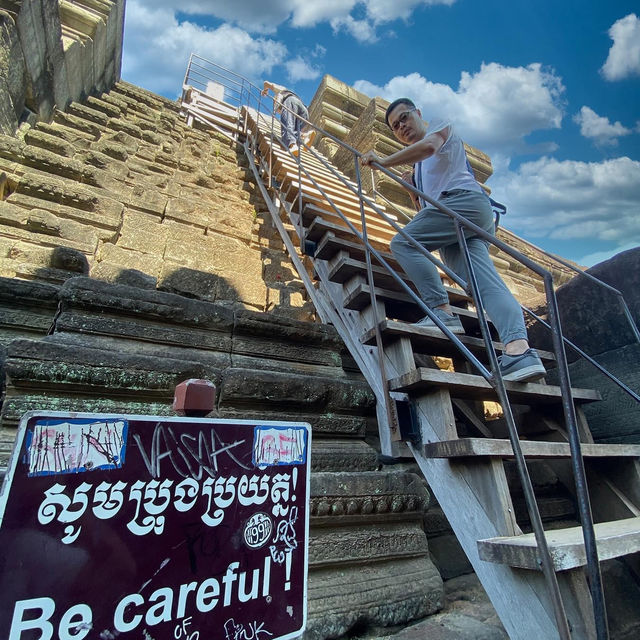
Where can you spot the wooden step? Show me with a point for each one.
(344, 268)
(464, 385)
(378, 231)
(330, 244)
(318, 227)
(613, 539)
(284, 162)
(333, 188)
(433, 341)
(401, 306)
(348, 203)
(466, 447)
(350, 209)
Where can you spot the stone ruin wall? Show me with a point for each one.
(53, 52)
(119, 188)
(358, 120)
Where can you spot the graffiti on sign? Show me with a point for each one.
(163, 528)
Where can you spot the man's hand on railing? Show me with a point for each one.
(367, 158)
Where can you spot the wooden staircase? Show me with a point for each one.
(465, 472)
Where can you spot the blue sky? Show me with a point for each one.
(550, 90)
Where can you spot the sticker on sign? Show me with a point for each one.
(157, 528)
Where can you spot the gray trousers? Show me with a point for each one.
(290, 124)
(434, 230)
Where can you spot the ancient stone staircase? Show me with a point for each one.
(318, 214)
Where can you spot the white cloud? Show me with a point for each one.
(300, 69)
(598, 128)
(157, 49)
(265, 17)
(377, 12)
(571, 200)
(362, 30)
(386, 11)
(624, 56)
(308, 14)
(493, 109)
(254, 15)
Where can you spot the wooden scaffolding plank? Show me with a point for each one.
(465, 447)
(613, 539)
(470, 386)
(426, 340)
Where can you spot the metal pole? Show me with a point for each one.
(392, 416)
(584, 505)
(497, 382)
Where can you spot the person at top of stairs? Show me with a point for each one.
(441, 171)
(291, 109)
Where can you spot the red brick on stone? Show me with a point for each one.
(194, 398)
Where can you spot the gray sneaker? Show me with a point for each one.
(526, 366)
(451, 322)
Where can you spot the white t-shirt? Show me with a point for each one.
(447, 169)
(282, 93)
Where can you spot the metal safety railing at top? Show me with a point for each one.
(235, 90)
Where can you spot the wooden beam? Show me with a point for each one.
(464, 447)
(465, 385)
(613, 539)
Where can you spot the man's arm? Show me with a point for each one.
(266, 85)
(413, 153)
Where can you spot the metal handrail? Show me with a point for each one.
(595, 580)
(460, 282)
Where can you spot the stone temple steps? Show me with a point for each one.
(466, 473)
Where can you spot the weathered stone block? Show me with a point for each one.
(342, 455)
(40, 227)
(106, 163)
(112, 149)
(377, 594)
(55, 144)
(125, 127)
(129, 142)
(110, 110)
(86, 293)
(147, 199)
(52, 163)
(104, 220)
(189, 211)
(114, 273)
(127, 259)
(617, 416)
(68, 193)
(346, 544)
(142, 232)
(78, 139)
(305, 393)
(191, 283)
(74, 122)
(87, 113)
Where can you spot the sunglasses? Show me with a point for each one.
(402, 118)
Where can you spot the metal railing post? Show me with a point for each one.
(497, 382)
(580, 478)
(392, 415)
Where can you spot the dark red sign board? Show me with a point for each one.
(152, 528)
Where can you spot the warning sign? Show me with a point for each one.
(154, 529)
